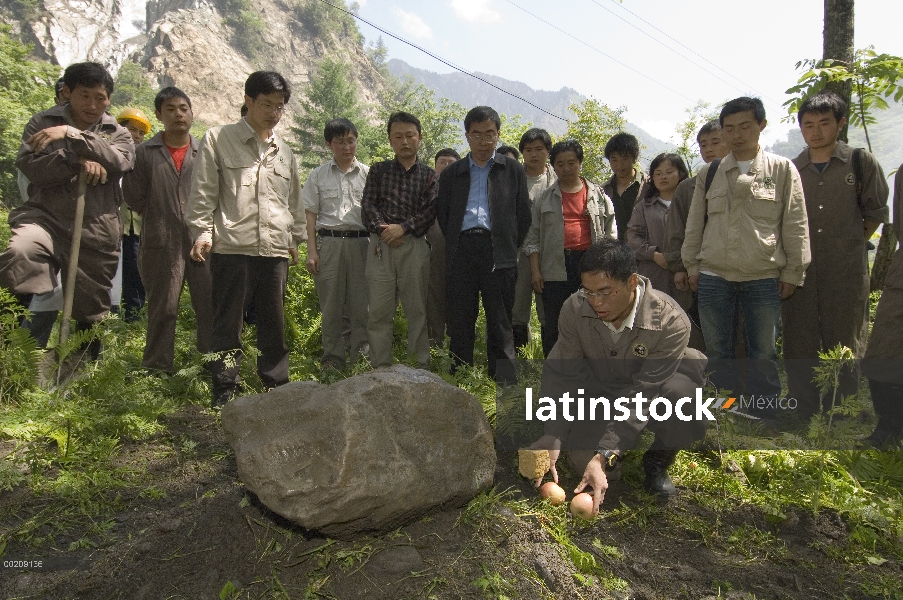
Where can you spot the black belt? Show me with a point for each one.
(342, 234)
(573, 252)
(476, 231)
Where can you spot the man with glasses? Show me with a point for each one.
(337, 243)
(245, 207)
(483, 210)
(618, 337)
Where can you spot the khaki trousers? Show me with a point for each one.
(394, 274)
(164, 272)
(342, 290)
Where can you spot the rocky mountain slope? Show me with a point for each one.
(200, 46)
(469, 92)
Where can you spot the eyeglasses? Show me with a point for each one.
(600, 295)
(483, 137)
(271, 108)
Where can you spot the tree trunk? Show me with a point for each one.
(883, 257)
(838, 46)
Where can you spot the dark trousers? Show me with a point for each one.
(470, 277)
(132, 289)
(234, 278)
(554, 295)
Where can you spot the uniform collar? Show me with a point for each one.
(843, 152)
(355, 165)
(730, 162)
(157, 140)
(247, 133)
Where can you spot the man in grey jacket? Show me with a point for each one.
(246, 207)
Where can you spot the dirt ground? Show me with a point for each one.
(208, 538)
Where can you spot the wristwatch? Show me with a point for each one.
(609, 457)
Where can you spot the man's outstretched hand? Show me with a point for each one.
(594, 477)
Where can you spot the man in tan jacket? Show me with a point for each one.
(619, 337)
(158, 190)
(57, 145)
(746, 248)
(246, 207)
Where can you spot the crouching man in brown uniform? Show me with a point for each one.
(158, 190)
(883, 362)
(619, 338)
(57, 145)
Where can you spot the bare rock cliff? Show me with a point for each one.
(187, 43)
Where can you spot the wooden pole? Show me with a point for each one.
(72, 271)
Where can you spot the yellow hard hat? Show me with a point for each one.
(134, 114)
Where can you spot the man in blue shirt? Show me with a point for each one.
(483, 209)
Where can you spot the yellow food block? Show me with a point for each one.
(533, 464)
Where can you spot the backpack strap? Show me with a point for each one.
(857, 169)
(709, 177)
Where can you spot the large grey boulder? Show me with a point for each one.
(363, 455)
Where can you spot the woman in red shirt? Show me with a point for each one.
(567, 218)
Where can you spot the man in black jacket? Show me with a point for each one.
(483, 209)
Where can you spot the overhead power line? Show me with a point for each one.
(608, 56)
(678, 42)
(440, 59)
(666, 46)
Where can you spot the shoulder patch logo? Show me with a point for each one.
(640, 350)
(851, 179)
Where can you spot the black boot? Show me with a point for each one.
(887, 398)
(656, 461)
(521, 335)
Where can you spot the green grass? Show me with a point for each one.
(66, 446)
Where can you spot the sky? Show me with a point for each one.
(721, 50)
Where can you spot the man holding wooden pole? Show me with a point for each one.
(58, 145)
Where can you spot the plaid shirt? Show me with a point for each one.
(395, 196)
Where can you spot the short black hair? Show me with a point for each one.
(88, 74)
(709, 128)
(338, 128)
(478, 114)
(403, 117)
(743, 104)
(609, 256)
(58, 88)
(267, 82)
(447, 152)
(569, 145)
(674, 159)
(623, 143)
(508, 150)
(823, 102)
(244, 110)
(535, 134)
(168, 93)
